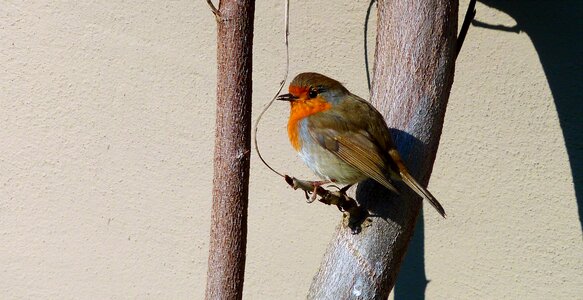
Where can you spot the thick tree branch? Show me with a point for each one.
(226, 264)
(414, 66)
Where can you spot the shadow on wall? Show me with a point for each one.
(412, 282)
(556, 31)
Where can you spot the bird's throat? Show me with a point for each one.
(299, 110)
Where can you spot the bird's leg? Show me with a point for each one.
(316, 185)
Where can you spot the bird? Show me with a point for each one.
(342, 138)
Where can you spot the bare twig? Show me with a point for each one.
(356, 214)
(470, 14)
(213, 9)
(366, 19)
(286, 22)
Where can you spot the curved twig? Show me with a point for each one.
(277, 93)
(366, 19)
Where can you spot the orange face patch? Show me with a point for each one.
(299, 91)
(302, 107)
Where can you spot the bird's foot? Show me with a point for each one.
(316, 185)
(355, 216)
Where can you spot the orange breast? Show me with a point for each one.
(300, 109)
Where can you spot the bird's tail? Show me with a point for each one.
(421, 191)
(413, 184)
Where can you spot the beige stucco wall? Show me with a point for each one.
(106, 122)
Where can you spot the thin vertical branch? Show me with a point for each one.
(228, 238)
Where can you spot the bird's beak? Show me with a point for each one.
(287, 97)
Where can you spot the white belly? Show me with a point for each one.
(329, 167)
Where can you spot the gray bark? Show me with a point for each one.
(414, 67)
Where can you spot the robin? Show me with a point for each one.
(342, 138)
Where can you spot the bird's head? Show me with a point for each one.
(312, 92)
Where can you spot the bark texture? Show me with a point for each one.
(226, 264)
(413, 74)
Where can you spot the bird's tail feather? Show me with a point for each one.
(421, 191)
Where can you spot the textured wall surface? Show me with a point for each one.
(106, 122)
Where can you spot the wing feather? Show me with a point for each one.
(361, 153)
(356, 149)
(364, 143)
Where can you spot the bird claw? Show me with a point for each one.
(314, 194)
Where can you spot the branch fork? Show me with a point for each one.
(214, 10)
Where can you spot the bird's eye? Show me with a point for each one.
(313, 94)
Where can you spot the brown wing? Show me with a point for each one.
(355, 148)
(356, 133)
(371, 120)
